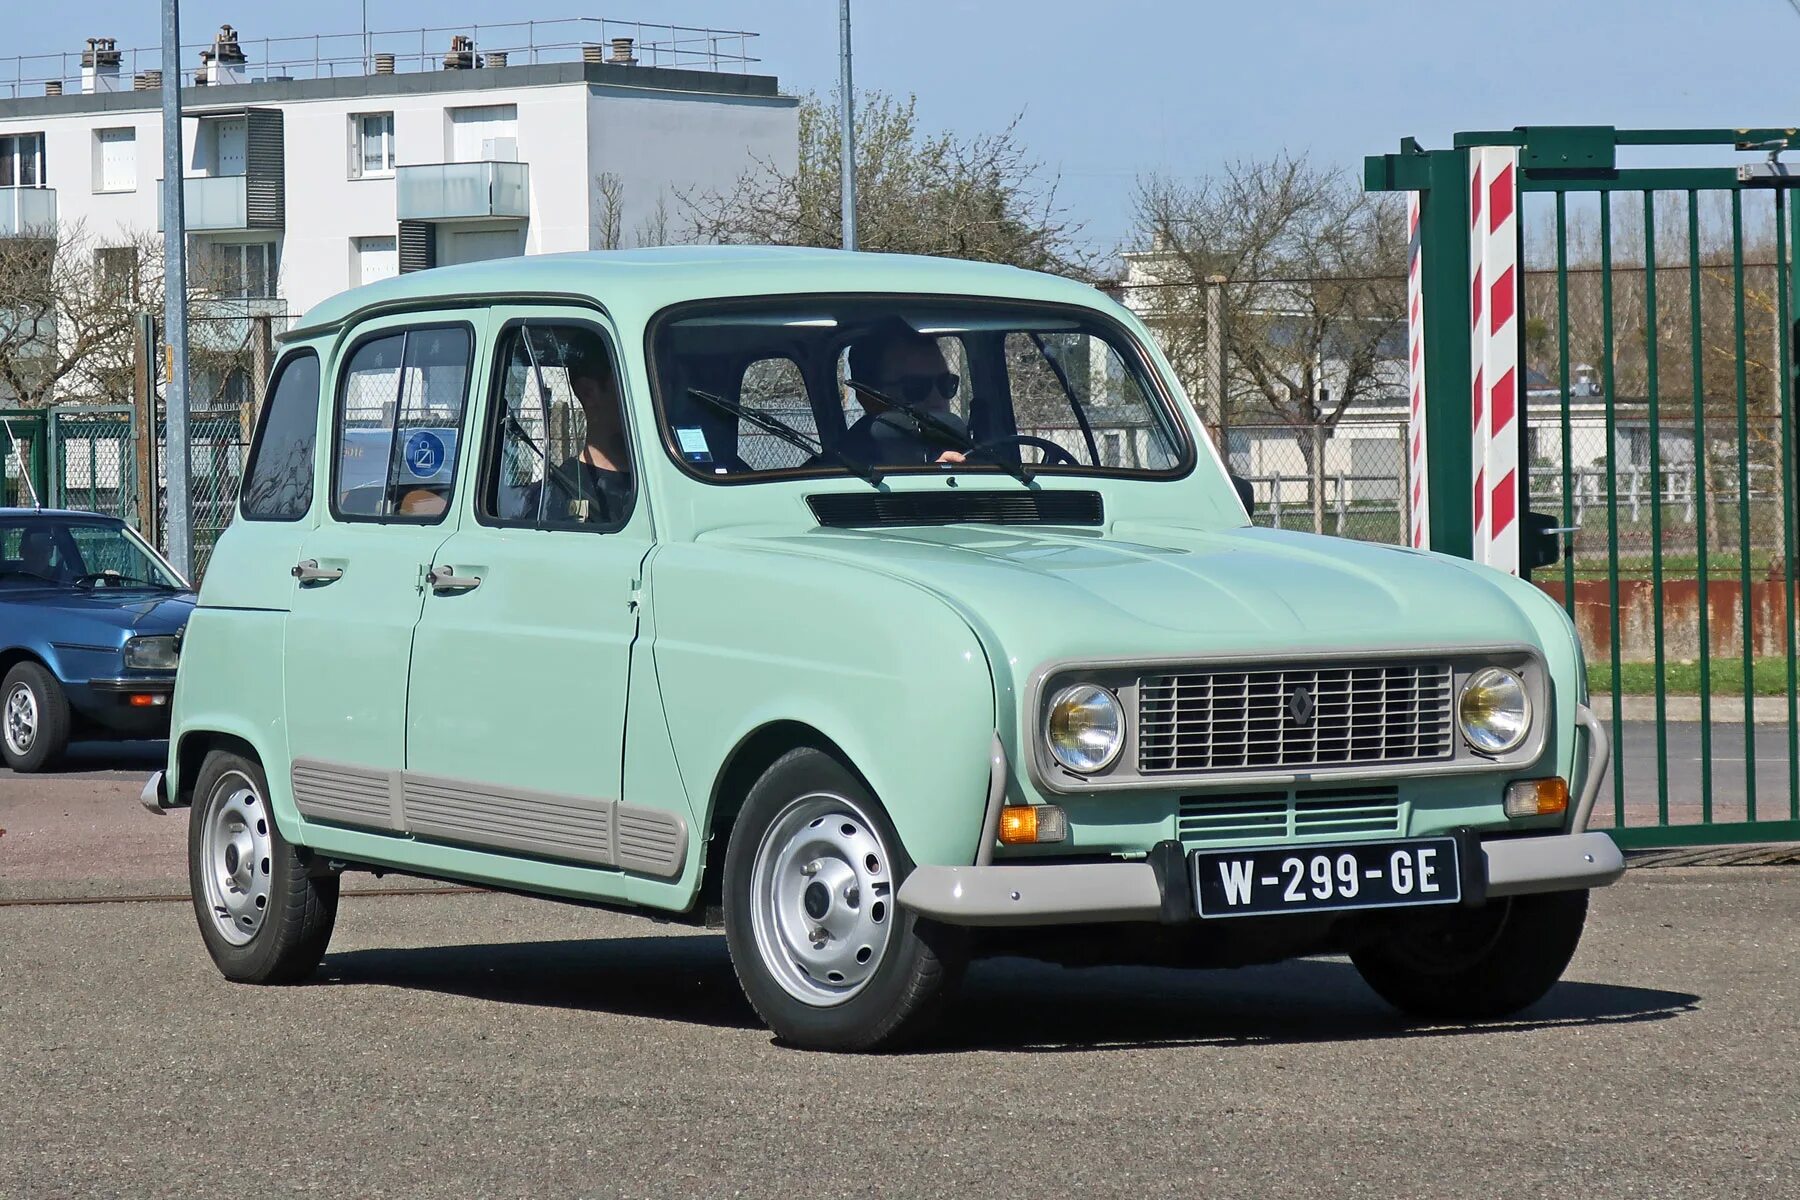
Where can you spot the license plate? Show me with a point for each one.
(1279, 879)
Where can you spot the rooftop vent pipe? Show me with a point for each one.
(621, 53)
(100, 66)
(53, 88)
(384, 64)
(462, 56)
(224, 61)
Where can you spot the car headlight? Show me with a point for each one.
(152, 653)
(1085, 728)
(1494, 710)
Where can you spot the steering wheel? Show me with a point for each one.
(1054, 455)
(99, 578)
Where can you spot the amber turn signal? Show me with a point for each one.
(151, 700)
(1024, 824)
(1537, 797)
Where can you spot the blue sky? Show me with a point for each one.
(1115, 89)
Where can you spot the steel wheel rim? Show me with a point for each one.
(821, 899)
(236, 858)
(21, 719)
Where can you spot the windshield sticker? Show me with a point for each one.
(693, 444)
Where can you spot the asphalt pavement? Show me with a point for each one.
(475, 1044)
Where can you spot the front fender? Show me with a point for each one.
(230, 683)
(896, 679)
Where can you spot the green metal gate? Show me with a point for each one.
(1656, 349)
(22, 457)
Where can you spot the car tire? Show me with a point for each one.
(34, 718)
(1488, 962)
(813, 852)
(265, 917)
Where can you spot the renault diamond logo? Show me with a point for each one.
(1300, 706)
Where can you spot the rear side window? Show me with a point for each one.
(399, 417)
(279, 483)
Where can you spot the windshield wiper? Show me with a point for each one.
(927, 421)
(115, 579)
(791, 436)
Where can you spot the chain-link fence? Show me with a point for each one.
(1348, 479)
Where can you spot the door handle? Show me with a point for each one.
(445, 579)
(310, 571)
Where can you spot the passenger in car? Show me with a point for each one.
(595, 486)
(908, 366)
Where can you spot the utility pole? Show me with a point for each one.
(177, 461)
(847, 135)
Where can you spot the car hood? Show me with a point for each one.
(1152, 590)
(138, 612)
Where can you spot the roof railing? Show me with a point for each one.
(339, 55)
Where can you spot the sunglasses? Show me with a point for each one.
(916, 389)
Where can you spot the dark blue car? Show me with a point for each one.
(91, 618)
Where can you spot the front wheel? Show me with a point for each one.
(825, 955)
(265, 918)
(34, 718)
(1483, 963)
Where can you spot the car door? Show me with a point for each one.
(400, 394)
(521, 660)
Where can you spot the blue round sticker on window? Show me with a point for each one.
(424, 453)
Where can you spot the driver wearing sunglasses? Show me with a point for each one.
(907, 366)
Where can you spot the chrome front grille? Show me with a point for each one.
(1285, 816)
(1294, 718)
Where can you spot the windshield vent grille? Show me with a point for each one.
(853, 510)
(1295, 718)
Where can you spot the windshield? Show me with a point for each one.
(77, 554)
(775, 387)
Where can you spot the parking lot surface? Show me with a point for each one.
(476, 1044)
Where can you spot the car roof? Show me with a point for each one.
(71, 513)
(653, 278)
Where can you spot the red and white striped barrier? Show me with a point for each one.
(1495, 299)
(1415, 352)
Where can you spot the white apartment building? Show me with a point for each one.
(296, 188)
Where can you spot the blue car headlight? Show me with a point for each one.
(159, 653)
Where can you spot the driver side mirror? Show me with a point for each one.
(1245, 492)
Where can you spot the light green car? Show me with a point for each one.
(886, 610)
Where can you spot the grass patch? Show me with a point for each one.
(1725, 677)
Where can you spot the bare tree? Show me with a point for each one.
(653, 230)
(1315, 291)
(609, 191)
(918, 192)
(67, 302)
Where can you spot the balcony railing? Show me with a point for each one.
(27, 210)
(211, 202)
(462, 191)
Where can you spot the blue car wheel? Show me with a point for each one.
(34, 718)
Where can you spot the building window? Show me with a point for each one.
(115, 160)
(371, 145)
(118, 269)
(22, 160)
(239, 270)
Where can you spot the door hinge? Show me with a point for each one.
(636, 598)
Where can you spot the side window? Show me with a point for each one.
(278, 485)
(774, 386)
(558, 454)
(399, 417)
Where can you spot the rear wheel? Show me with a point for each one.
(265, 918)
(1484, 963)
(825, 955)
(34, 718)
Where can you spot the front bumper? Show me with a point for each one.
(1156, 888)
